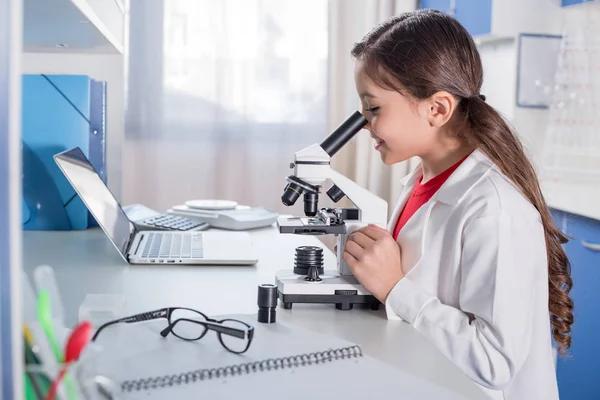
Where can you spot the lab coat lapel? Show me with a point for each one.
(421, 227)
(474, 168)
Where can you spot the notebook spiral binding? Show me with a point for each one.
(300, 360)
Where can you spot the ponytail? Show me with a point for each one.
(492, 135)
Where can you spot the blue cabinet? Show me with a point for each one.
(474, 15)
(578, 374)
(441, 5)
(566, 3)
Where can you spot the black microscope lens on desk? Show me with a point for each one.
(267, 302)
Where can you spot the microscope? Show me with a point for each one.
(309, 281)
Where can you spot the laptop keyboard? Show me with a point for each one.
(173, 245)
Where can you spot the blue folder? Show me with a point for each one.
(59, 112)
(97, 150)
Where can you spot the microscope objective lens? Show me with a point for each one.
(311, 204)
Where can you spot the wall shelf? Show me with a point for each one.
(73, 26)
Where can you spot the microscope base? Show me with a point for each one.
(343, 291)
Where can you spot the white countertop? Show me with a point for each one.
(85, 262)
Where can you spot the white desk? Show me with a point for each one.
(86, 262)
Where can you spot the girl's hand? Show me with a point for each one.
(374, 258)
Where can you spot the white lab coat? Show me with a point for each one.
(477, 249)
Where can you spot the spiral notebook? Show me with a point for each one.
(284, 361)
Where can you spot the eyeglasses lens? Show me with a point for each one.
(186, 328)
(234, 343)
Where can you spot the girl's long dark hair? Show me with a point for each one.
(426, 51)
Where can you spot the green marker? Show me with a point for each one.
(30, 392)
(44, 313)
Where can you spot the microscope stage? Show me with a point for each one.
(308, 226)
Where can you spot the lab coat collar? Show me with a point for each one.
(474, 168)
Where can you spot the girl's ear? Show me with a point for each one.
(440, 107)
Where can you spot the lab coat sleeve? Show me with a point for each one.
(489, 335)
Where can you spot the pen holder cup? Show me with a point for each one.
(80, 382)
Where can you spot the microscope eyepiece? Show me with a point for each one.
(267, 301)
(343, 133)
(291, 193)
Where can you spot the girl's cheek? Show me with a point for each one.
(375, 126)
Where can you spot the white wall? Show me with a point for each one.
(500, 65)
(105, 67)
(500, 76)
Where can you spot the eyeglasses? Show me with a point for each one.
(189, 324)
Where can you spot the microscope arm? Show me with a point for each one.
(372, 209)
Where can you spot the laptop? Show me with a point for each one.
(150, 246)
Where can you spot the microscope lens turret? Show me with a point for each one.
(343, 133)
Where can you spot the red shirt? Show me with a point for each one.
(421, 195)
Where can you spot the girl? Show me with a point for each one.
(471, 257)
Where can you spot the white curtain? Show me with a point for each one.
(222, 93)
(350, 20)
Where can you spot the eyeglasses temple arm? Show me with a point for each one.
(147, 316)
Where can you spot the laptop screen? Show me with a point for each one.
(97, 197)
